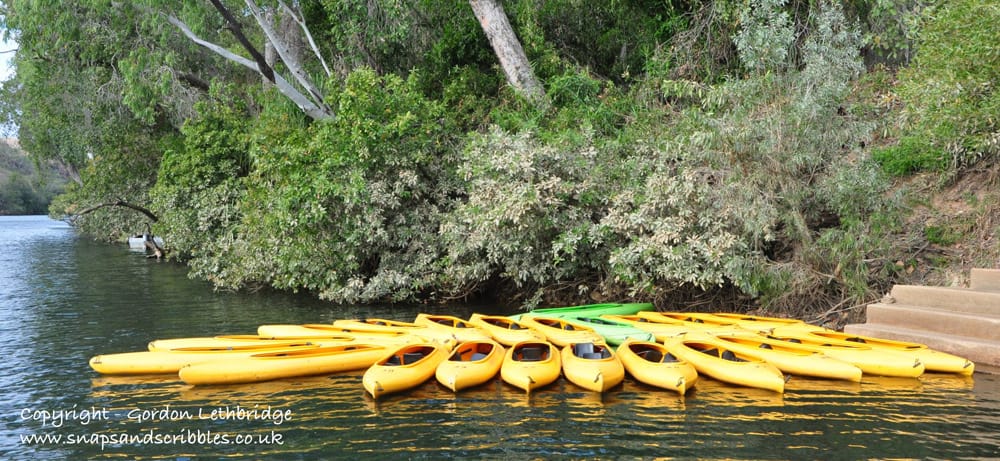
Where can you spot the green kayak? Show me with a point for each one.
(613, 332)
(595, 310)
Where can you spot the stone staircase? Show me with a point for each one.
(961, 321)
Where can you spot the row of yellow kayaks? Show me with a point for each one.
(744, 350)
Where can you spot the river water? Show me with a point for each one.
(65, 298)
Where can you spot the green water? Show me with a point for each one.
(64, 299)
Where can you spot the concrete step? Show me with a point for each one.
(981, 351)
(953, 299)
(980, 326)
(984, 279)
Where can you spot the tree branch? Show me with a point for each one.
(293, 64)
(305, 31)
(237, 29)
(307, 106)
(120, 203)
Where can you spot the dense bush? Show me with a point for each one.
(952, 113)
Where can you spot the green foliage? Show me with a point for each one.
(687, 146)
(348, 208)
(952, 104)
(910, 155)
(199, 183)
(765, 36)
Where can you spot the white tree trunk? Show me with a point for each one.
(508, 49)
(309, 107)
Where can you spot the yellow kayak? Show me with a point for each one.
(284, 364)
(377, 325)
(660, 331)
(594, 367)
(461, 330)
(230, 341)
(385, 326)
(879, 362)
(406, 367)
(319, 330)
(762, 323)
(933, 360)
(157, 362)
(652, 364)
(470, 364)
(561, 332)
(530, 365)
(505, 330)
(691, 322)
(791, 358)
(712, 357)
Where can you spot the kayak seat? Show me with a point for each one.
(729, 355)
(477, 356)
(531, 354)
(568, 327)
(593, 355)
(713, 352)
(669, 358)
(856, 340)
(394, 360)
(410, 357)
(581, 349)
(765, 346)
(653, 355)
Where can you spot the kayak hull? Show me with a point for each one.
(164, 362)
(707, 354)
(404, 368)
(871, 361)
(505, 330)
(470, 364)
(461, 330)
(791, 359)
(652, 364)
(530, 365)
(279, 365)
(560, 332)
(933, 360)
(594, 310)
(597, 370)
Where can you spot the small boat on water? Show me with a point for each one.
(935, 361)
(505, 330)
(712, 357)
(878, 362)
(594, 367)
(386, 326)
(530, 365)
(225, 342)
(461, 330)
(470, 364)
(762, 323)
(661, 331)
(561, 332)
(612, 331)
(283, 364)
(594, 310)
(791, 358)
(170, 361)
(406, 367)
(692, 322)
(651, 363)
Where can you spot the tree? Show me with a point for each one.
(308, 99)
(508, 49)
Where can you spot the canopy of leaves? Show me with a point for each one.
(717, 148)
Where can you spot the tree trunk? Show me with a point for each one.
(508, 49)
